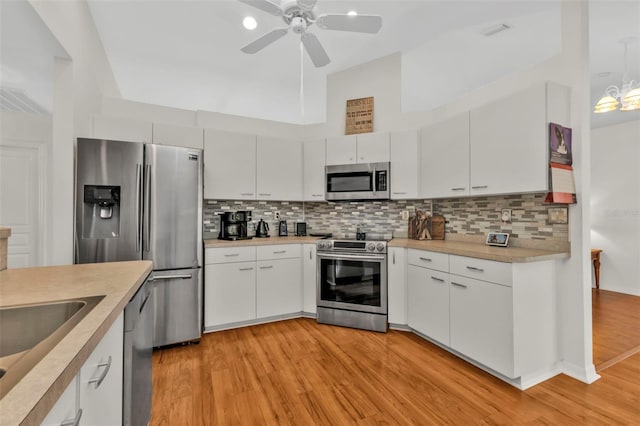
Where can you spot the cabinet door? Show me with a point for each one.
(482, 323)
(188, 137)
(279, 288)
(229, 165)
(279, 169)
(372, 147)
(229, 293)
(341, 150)
(121, 129)
(101, 379)
(65, 409)
(428, 302)
(509, 144)
(404, 155)
(397, 282)
(314, 153)
(309, 278)
(444, 153)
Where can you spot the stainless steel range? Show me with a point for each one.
(352, 283)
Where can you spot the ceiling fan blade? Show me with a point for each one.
(315, 50)
(264, 41)
(265, 5)
(358, 23)
(306, 4)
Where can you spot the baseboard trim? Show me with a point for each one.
(586, 374)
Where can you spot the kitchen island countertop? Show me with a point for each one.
(31, 399)
(482, 251)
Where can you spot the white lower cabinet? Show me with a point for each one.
(428, 302)
(94, 396)
(230, 293)
(309, 303)
(279, 291)
(500, 315)
(482, 322)
(65, 409)
(397, 285)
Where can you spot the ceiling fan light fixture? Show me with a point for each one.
(631, 101)
(250, 23)
(605, 104)
(627, 95)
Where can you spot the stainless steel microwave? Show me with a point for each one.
(366, 181)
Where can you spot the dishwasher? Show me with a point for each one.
(138, 347)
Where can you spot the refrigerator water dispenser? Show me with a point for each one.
(101, 218)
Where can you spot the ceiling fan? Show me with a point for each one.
(299, 15)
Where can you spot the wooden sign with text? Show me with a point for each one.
(359, 118)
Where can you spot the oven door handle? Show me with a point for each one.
(350, 256)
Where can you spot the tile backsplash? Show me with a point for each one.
(468, 216)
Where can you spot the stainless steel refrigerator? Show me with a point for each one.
(143, 201)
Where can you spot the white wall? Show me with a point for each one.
(615, 205)
(79, 87)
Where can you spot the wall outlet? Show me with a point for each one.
(277, 214)
(505, 216)
(404, 214)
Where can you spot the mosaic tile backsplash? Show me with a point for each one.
(471, 216)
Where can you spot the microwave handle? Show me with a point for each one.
(375, 180)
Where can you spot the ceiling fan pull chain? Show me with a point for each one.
(302, 78)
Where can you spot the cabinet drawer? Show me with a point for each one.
(429, 259)
(229, 254)
(481, 269)
(285, 251)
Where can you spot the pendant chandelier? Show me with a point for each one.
(627, 96)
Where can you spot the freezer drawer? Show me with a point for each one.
(177, 308)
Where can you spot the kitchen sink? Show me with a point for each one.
(29, 332)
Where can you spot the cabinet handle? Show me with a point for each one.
(279, 252)
(437, 279)
(473, 268)
(458, 284)
(399, 193)
(98, 380)
(246, 193)
(266, 267)
(394, 257)
(75, 421)
(264, 195)
(458, 189)
(310, 254)
(232, 255)
(245, 269)
(317, 195)
(480, 187)
(426, 259)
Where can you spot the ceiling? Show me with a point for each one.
(186, 54)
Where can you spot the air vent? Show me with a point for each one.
(16, 100)
(495, 30)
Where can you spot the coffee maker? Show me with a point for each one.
(234, 225)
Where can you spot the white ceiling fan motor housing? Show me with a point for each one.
(298, 24)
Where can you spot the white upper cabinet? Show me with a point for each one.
(188, 137)
(372, 147)
(362, 148)
(341, 150)
(444, 153)
(121, 129)
(229, 165)
(314, 161)
(509, 140)
(404, 156)
(279, 169)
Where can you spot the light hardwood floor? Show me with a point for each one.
(299, 372)
(616, 327)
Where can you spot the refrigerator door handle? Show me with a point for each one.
(172, 277)
(147, 207)
(138, 206)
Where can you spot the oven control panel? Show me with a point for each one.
(352, 246)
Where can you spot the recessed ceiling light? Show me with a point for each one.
(249, 23)
(352, 13)
(488, 32)
(604, 74)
